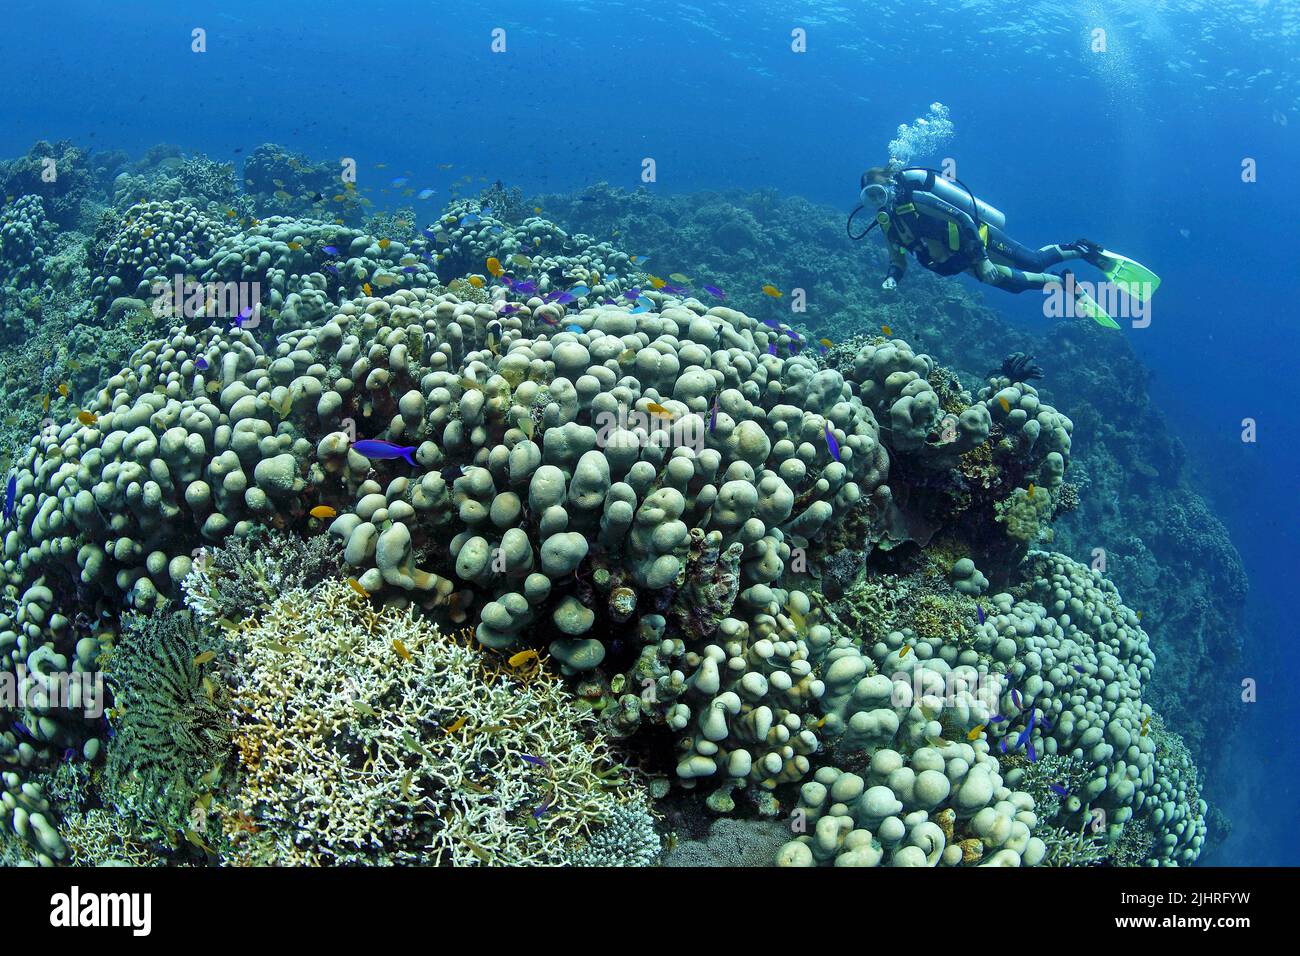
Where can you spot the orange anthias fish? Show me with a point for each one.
(323, 511)
(476, 282)
(887, 330)
(366, 288)
(87, 418)
(1006, 406)
(385, 243)
(355, 585)
(903, 652)
(401, 650)
(975, 732)
(494, 266)
(63, 390)
(1032, 489)
(656, 409)
(773, 291)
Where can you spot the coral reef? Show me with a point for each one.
(368, 736)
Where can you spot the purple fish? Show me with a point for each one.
(1016, 698)
(408, 268)
(1059, 790)
(673, 290)
(332, 268)
(546, 805)
(376, 449)
(980, 611)
(771, 348)
(996, 719)
(1079, 669)
(201, 364)
(525, 288)
(19, 725)
(714, 291)
(773, 324)
(329, 250)
(713, 416)
(564, 298)
(69, 754)
(632, 295)
(535, 761)
(832, 444)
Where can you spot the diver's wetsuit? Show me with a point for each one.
(946, 240)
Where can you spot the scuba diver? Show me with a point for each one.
(950, 230)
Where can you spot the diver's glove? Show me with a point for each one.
(987, 271)
(890, 284)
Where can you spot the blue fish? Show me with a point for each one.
(329, 250)
(424, 194)
(574, 327)
(19, 725)
(399, 182)
(535, 761)
(376, 449)
(713, 416)
(1059, 790)
(11, 496)
(980, 611)
(714, 291)
(201, 364)
(832, 444)
(771, 348)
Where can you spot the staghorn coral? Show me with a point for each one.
(366, 736)
(247, 573)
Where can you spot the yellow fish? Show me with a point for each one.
(657, 282)
(476, 282)
(204, 658)
(295, 246)
(627, 355)
(339, 197)
(678, 277)
(521, 260)
(826, 342)
(494, 266)
(903, 652)
(797, 618)
(1139, 615)
(1006, 406)
(523, 658)
(537, 241)
(286, 405)
(385, 243)
(230, 214)
(975, 732)
(355, 585)
(366, 288)
(401, 650)
(656, 409)
(87, 418)
(1145, 723)
(148, 231)
(63, 390)
(887, 330)
(773, 291)
(214, 387)
(1031, 489)
(460, 722)
(384, 279)
(323, 511)
(47, 401)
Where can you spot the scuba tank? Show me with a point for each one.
(953, 192)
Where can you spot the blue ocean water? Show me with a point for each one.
(1140, 147)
